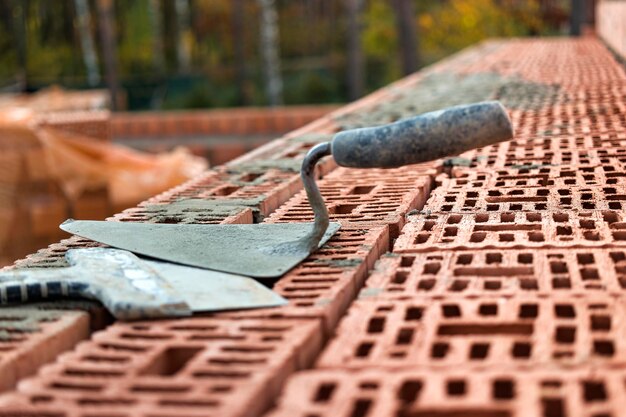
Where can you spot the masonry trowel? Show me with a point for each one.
(270, 250)
(133, 288)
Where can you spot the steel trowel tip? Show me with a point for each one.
(66, 223)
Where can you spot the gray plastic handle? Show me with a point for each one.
(423, 138)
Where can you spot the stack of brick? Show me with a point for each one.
(32, 203)
(491, 302)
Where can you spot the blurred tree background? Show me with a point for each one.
(170, 54)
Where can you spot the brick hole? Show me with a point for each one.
(451, 310)
(495, 207)
(564, 231)
(189, 403)
(41, 399)
(400, 277)
(92, 373)
(589, 205)
(507, 217)
(450, 231)
(105, 359)
(600, 323)
(439, 350)
(456, 387)
(225, 190)
(589, 274)
(565, 311)
(454, 219)
(362, 189)
(585, 258)
(506, 237)
(82, 386)
(405, 336)
(324, 392)
(361, 407)
(558, 267)
(482, 218)
(533, 217)
(565, 334)
(384, 308)
(603, 347)
(479, 351)
(527, 311)
(503, 389)
(552, 407)
(426, 284)
(368, 385)
(363, 350)
(610, 217)
(488, 310)
(518, 207)
(465, 259)
(171, 361)
(422, 238)
(561, 283)
(478, 237)
(525, 258)
(492, 285)
(250, 177)
(615, 205)
(594, 391)
(376, 325)
(521, 350)
(459, 285)
(122, 348)
(407, 261)
(221, 388)
(617, 235)
(413, 314)
(345, 208)
(409, 391)
(535, 237)
(432, 268)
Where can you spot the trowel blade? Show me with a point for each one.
(256, 250)
(205, 290)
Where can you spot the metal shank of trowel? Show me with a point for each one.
(409, 141)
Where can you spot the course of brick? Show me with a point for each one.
(490, 284)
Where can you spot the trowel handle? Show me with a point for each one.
(15, 289)
(423, 138)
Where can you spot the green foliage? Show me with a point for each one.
(313, 40)
(455, 24)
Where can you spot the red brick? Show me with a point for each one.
(95, 124)
(355, 196)
(533, 199)
(554, 177)
(498, 273)
(510, 230)
(324, 285)
(184, 367)
(30, 338)
(498, 334)
(420, 393)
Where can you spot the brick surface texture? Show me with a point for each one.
(488, 284)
